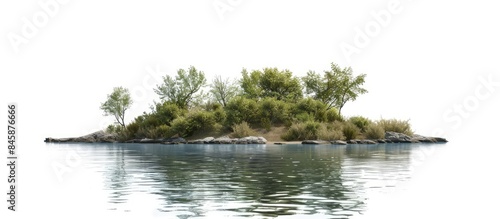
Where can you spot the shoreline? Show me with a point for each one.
(103, 137)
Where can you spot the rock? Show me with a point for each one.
(368, 142)
(174, 140)
(397, 137)
(439, 139)
(381, 141)
(352, 141)
(421, 138)
(99, 136)
(315, 142)
(150, 141)
(224, 140)
(279, 143)
(339, 142)
(251, 140)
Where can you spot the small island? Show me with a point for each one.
(268, 106)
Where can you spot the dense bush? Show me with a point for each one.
(315, 108)
(242, 130)
(360, 122)
(394, 125)
(327, 132)
(113, 129)
(165, 113)
(333, 115)
(350, 130)
(273, 112)
(374, 131)
(241, 109)
(180, 126)
(303, 131)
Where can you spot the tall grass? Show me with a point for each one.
(350, 130)
(374, 131)
(242, 130)
(394, 125)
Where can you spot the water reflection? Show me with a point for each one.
(247, 180)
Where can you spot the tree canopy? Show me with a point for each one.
(271, 82)
(117, 103)
(336, 87)
(182, 89)
(223, 90)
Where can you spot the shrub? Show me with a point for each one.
(241, 109)
(394, 125)
(163, 131)
(333, 115)
(315, 108)
(180, 126)
(220, 115)
(302, 131)
(200, 120)
(350, 131)
(165, 113)
(360, 122)
(113, 129)
(328, 133)
(242, 130)
(272, 111)
(374, 131)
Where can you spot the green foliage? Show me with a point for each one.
(316, 109)
(114, 129)
(166, 112)
(241, 109)
(374, 131)
(350, 130)
(117, 103)
(180, 126)
(242, 130)
(332, 115)
(329, 133)
(361, 122)
(183, 89)
(336, 87)
(394, 125)
(303, 131)
(223, 90)
(272, 83)
(273, 111)
(200, 120)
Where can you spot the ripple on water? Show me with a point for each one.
(190, 181)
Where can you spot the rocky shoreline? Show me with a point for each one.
(102, 137)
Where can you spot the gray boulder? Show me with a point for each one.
(368, 142)
(315, 142)
(251, 140)
(339, 142)
(207, 140)
(224, 140)
(397, 137)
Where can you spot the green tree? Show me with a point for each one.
(117, 103)
(250, 84)
(223, 90)
(273, 83)
(336, 87)
(183, 89)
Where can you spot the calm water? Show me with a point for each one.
(228, 180)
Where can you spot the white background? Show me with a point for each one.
(425, 61)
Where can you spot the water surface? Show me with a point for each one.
(190, 181)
